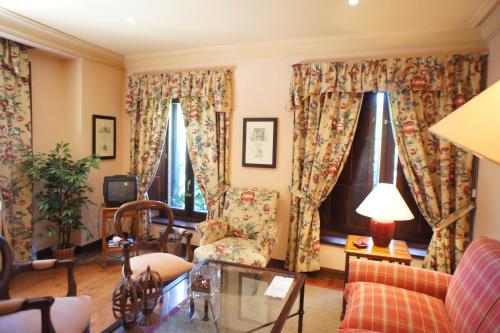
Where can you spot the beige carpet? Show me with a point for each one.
(322, 311)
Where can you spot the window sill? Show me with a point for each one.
(417, 251)
(177, 223)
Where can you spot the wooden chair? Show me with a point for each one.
(57, 314)
(166, 264)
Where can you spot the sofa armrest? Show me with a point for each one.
(21, 304)
(267, 238)
(212, 230)
(420, 280)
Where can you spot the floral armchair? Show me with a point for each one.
(246, 232)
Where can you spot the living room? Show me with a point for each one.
(84, 56)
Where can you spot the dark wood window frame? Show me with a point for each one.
(338, 216)
(159, 189)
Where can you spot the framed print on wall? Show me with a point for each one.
(104, 137)
(259, 142)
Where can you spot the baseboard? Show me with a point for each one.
(97, 244)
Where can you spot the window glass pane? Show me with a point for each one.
(176, 159)
(379, 117)
(199, 203)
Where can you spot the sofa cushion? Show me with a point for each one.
(474, 291)
(232, 249)
(248, 209)
(378, 307)
(68, 315)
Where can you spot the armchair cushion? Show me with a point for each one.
(233, 249)
(411, 278)
(68, 314)
(212, 230)
(393, 309)
(248, 209)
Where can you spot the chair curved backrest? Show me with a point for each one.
(141, 205)
(6, 256)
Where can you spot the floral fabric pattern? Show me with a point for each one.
(212, 230)
(15, 143)
(323, 134)
(248, 227)
(248, 210)
(232, 249)
(439, 173)
(423, 90)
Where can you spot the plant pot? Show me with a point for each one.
(63, 254)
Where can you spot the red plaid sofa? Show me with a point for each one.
(383, 297)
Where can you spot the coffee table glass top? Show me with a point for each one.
(237, 302)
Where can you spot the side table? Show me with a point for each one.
(396, 252)
(107, 216)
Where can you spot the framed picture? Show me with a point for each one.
(259, 142)
(104, 136)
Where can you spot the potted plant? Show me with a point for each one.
(61, 192)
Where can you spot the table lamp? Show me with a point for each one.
(384, 205)
(474, 125)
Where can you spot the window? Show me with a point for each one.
(373, 159)
(174, 182)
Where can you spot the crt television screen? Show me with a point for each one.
(121, 191)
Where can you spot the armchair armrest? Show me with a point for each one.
(421, 280)
(40, 303)
(267, 238)
(37, 265)
(212, 230)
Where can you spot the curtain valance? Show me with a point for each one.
(13, 57)
(212, 85)
(457, 74)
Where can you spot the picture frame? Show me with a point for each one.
(259, 142)
(104, 137)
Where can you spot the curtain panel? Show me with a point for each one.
(15, 143)
(206, 98)
(445, 200)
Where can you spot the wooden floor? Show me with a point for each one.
(99, 282)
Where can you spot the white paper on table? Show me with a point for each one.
(279, 287)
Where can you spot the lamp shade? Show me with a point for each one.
(384, 203)
(475, 126)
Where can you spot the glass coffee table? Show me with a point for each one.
(237, 302)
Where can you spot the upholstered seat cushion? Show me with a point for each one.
(383, 308)
(232, 249)
(167, 265)
(68, 315)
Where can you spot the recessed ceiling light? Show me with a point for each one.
(353, 2)
(130, 19)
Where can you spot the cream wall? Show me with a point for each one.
(487, 218)
(66, 92)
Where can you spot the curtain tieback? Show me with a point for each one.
(453, 217)
(214, 197)
(305, 197)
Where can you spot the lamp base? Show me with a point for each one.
(382, 232)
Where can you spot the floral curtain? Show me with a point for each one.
(206, 100)
(410, 81)
(439, 173)
(15, 142)
(207, 129)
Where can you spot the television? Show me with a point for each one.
(118, 190)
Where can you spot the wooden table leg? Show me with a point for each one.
(104, 243)
(346, 279)
(301, 307)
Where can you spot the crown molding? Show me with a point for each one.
(32, 33)
(482, 13)
(490, 25)
(345, 46)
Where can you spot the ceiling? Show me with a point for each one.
(166, 25)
